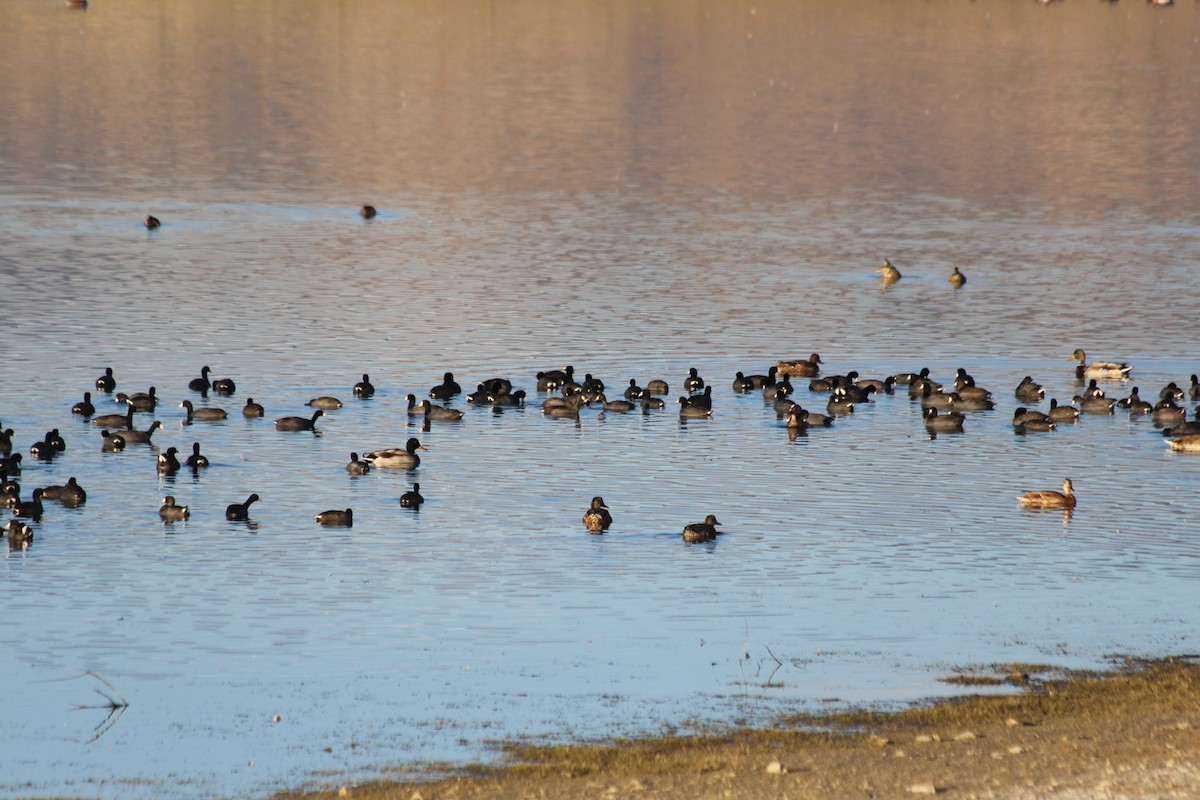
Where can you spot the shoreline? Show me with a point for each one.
(1133, 732)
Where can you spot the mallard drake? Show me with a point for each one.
(364, 388)
(957, 279)
(19, 534)
(801, 367)
(693, 382)
(203, 413)
(596, 518)
(412, 498)
(949, 422)
(84, 407)
(170, 511)
(325, 402)
(1185, 444)
(1050, 499)
(440, 412)
(1028, 391)
(447, 389)
(252, 409)
(298, 423)
(701, 531)
(106, 382)
(1105, 370)
(357, 467)
(132, 436)
(240, 511)
(336, 518)
(889, 272)
(196, 460)
(367, 212)
(201, 384)
(401, 458)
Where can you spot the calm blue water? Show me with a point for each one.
(641, 211)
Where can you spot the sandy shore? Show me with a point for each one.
(1130, 734)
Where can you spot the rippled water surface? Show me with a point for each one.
(634, 189)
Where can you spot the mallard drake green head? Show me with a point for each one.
(397, 457)
(597, 519)
(1104, 370)
(1050, 499)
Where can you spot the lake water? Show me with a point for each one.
(634, 189)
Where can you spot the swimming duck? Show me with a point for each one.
(1185, 444)
(440, 412)
(949, 422)
(106, 382)
(364, 388)
(596, 518)
(132, 436)
(325, 403)
(298, 423)
(367, 212)
(693, 382)
(1050, 499)
(1105, 370)
(957, 279)
(168, 462)
(169, 511)
(701, 531)
(19, 534)
(447, 389)
(84, 407)
(224, 386)
(401, 458)
(205, 413)
(201, 384)
(889, 272)
(412, 498)
(336, 518)
(356, 467)
(240, 511)
(1029, 392)
(801, 367)
(152, 222)
(252, 409)
(658, 387)
(196, 460)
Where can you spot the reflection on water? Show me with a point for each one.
(635, 190)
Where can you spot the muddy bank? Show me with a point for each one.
(1134, 733)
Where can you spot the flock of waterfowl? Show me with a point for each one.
(945, 409)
